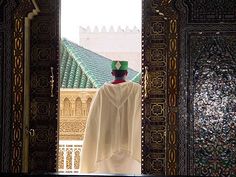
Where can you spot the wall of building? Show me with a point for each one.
(115, 44)
(74, 108)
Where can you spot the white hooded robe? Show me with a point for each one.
(112, 142)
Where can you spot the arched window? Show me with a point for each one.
(78, 107)
(89, 100)
(67, 107)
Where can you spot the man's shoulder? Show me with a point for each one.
(136, 85)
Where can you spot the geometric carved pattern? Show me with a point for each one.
(157, 83)
(202, 11)
(69, 157)
(23, 9)
(44, 60)
(73, 119)
(212, 74)
(172, 99)
(159, 123)
(154, 162)
(73, 130)
(155, 112)
(18, 95)
(202, 23)
(6, 63)
(72, 126)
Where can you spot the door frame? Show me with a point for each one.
(159, 84)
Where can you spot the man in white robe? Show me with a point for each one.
(112, 141)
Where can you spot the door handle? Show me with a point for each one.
(52, 82)
(31, 132)
(145, 82)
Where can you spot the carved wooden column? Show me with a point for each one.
(18, 87)
(160, 88)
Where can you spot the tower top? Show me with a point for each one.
(111, 29)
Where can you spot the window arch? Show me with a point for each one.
(78, 106)
(88, 102)
(66, 107)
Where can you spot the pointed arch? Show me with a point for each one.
(88, 102)
(66, 107)
(78, 106)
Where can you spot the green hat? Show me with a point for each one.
(119, 65)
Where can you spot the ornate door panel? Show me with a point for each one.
(194, 134)
(212, 80)
(207, 87)
(6, 22)
(35, 86)
(19, 83)
(160, 89)
(44, 62)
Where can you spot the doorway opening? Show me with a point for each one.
(93, 33)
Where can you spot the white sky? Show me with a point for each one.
(75, 13)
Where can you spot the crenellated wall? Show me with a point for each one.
(116, 44)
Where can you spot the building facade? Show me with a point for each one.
(116, 44)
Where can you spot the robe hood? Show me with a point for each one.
(113, 125)
(118, 93)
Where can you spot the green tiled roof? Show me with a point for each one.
(137, 78)
(82, 68)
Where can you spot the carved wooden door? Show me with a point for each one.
(189, 67)
(44, 62)
(35, 86)
(188, 88)
(207, 97)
